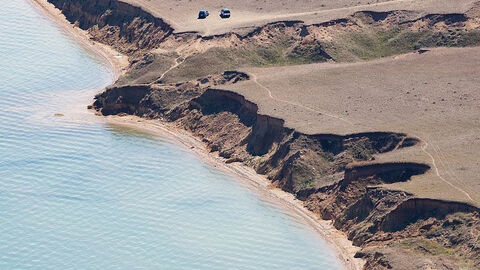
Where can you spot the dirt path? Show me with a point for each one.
(176, 63)
(424, 142)
(254, 79)
(183, 53)
(437, 170)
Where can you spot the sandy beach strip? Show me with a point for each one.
(336, 239)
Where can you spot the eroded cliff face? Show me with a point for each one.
(127, 28)
(336, 176)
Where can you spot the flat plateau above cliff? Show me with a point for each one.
(433, 95)
(182, 14)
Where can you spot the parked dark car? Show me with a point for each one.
(225, 13)
(202, 14)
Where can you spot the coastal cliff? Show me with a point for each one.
(126, 28)
(336, 176)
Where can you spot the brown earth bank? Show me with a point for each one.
(336, 176)
(178, 78)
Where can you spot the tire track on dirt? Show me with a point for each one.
(254, 79)
(182, 56)
(175, 64)
(437, 170)
(442, 159)
(424, 146)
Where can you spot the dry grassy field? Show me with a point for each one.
(434, 96)
(182, 14)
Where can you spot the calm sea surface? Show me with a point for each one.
(78, 194)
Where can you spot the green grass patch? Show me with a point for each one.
(215, 60)
(433, 248)
(372, 44)
(426, 247)
(282, 52)
(302, 177)
(366, 45)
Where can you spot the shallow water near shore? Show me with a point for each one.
(78, 194)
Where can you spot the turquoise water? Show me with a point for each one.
(78, 194)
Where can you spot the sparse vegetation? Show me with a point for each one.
(217, 60)
(371, 44)
(434, 249)
(147, 69)
(426, 246)
(368, 44)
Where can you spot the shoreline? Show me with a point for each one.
(336, 240)
(118, 63)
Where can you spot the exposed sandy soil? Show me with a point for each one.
(433, 95)
(182, 14)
